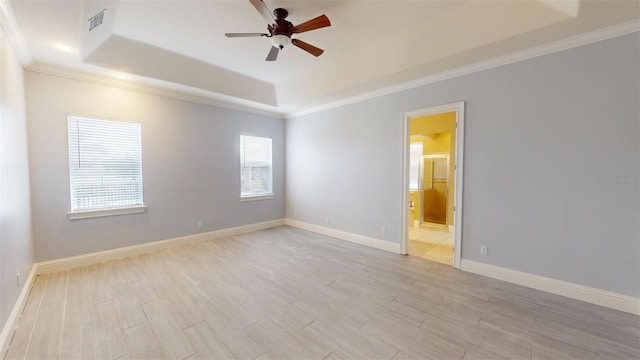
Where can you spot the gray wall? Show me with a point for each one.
(552, 164)
(16, 245)
(191, 167)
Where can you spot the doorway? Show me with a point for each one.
(432, 183)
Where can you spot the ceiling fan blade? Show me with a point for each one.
(244, 34)
(273, 54)
(263, 10)
(316, 23)
(307, 47)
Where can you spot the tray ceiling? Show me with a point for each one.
(180, 45)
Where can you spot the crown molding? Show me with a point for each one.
(546, 49)
(180, 92)
(185, 93)
(10, 26)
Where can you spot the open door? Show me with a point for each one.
(440, 181)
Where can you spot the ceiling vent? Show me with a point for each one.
(96, 20)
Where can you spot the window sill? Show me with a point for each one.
(256, 197)
(106, 212)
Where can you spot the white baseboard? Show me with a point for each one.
(579, 292)
(123, 252)
(575, 291)
(97, 257)
(343, 235)
(16, 312)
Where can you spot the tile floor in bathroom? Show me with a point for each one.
(431, 243)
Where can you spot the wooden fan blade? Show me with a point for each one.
(244, 34)
(263, 10)
(307, 47)
(273, 54)
(317, 23)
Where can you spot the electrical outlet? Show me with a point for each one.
(484, 250)
(200, 224)
(383, 230)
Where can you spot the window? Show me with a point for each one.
(105, 167)
(415, 153)
(256, 178)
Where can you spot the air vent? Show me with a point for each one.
(96, 20)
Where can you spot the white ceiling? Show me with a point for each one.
(180, 45)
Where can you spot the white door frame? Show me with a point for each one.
(458, 108)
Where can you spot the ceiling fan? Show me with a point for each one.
(281, 30)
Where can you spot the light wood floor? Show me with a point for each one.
(431, 243)
(285, 293)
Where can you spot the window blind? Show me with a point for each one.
(105, 164)
(256, 178)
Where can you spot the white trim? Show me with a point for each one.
(16, 312)
(51, 266)
(256, 197)
(579, 292)
(343, 235)
(404, 212)
(459, 187)
(185, 93)
(97, 257)
(228, 102)
(574, 291)
(545, 49)
(86, 214)
(10, 26)
(458, 108)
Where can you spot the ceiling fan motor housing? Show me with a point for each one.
(282, 26)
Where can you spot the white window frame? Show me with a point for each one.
(251, 196)
(82, 213)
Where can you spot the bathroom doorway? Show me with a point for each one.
(433, 179)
